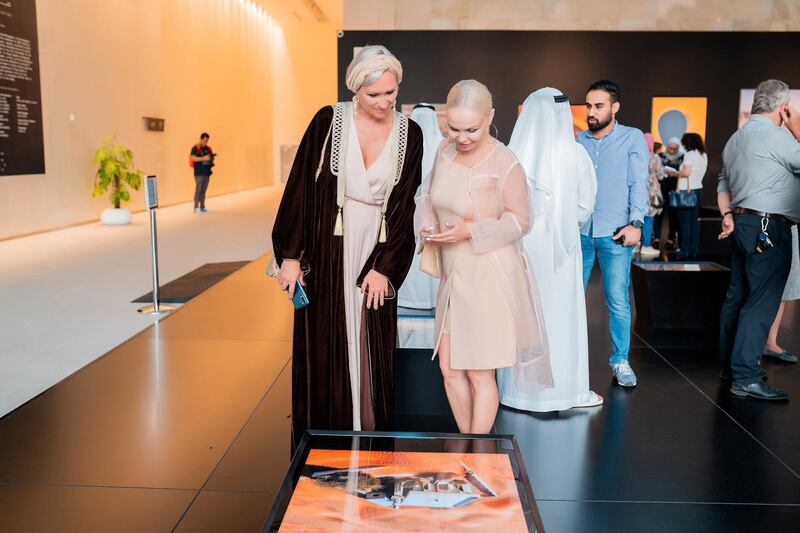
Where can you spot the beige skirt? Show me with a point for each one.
(474, 310)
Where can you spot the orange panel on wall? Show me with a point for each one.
(673, 116)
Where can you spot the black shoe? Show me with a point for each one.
(786, 357)
(759, 390)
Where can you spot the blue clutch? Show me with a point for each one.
(682, 199)
(300, 298)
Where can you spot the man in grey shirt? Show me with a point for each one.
(759, 198)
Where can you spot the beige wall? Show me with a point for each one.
(220, 66)
(306, 82)
(627, 15)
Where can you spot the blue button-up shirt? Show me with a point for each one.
(620, 161)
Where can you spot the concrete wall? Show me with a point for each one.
(234, 68)
(625, 15)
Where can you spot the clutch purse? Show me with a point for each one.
(300, 299)
(682, 199)
(429, 260)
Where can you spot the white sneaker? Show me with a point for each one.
(624, 374)
(595, 400)
(649, 250)
(196, 209)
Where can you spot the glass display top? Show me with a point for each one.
(360, 481)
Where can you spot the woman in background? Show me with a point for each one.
(656, 200)
(473, 212)
(790, 293)
(671, 160)
(690, 177)
(344, 231)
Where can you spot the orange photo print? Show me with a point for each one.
(352, 490)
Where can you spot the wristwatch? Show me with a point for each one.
(636, 224)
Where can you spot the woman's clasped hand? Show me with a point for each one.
(454, 232)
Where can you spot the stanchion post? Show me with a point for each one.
(151, 202)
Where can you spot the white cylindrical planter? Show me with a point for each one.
(115, 217)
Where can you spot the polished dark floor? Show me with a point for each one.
(186, 427)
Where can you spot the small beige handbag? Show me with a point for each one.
(429, 260)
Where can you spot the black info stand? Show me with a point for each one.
(151, 202)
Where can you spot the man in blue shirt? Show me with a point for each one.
(201, 158)
(620, 156)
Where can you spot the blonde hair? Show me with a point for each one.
(369, 64)
(471, 94)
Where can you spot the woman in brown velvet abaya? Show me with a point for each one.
(344, 230)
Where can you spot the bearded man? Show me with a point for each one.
(620, 157)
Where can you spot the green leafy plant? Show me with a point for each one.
(115, 172)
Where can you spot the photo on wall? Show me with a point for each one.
(672, 116)
(746, 103)
(363, 490)
(579, 123)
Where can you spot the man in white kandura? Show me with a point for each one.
(419, 289)
(563, 182)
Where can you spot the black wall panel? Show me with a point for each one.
(646, 64)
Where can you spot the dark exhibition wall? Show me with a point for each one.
(21, 137)
(647, 64)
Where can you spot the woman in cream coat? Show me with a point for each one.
(472, 213)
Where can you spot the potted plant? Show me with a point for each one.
(115, 173)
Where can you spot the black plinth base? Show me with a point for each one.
(678, 295)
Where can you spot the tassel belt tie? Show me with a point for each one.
(339, 132)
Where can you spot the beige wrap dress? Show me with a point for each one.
(364, 194)
(487, 301)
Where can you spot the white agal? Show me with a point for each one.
(115, 217)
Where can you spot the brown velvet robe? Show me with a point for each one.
(321, 397)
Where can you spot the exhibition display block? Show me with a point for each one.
(678, 295)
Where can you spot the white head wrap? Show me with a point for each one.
(544, 143)
(368, 61)
(679, 153)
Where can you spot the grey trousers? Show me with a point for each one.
(754, 294)
(201, 186)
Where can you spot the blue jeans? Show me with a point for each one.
(647, 231)
(615, 267)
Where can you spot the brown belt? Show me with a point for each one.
(745, 211)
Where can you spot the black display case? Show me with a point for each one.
(395, 481)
